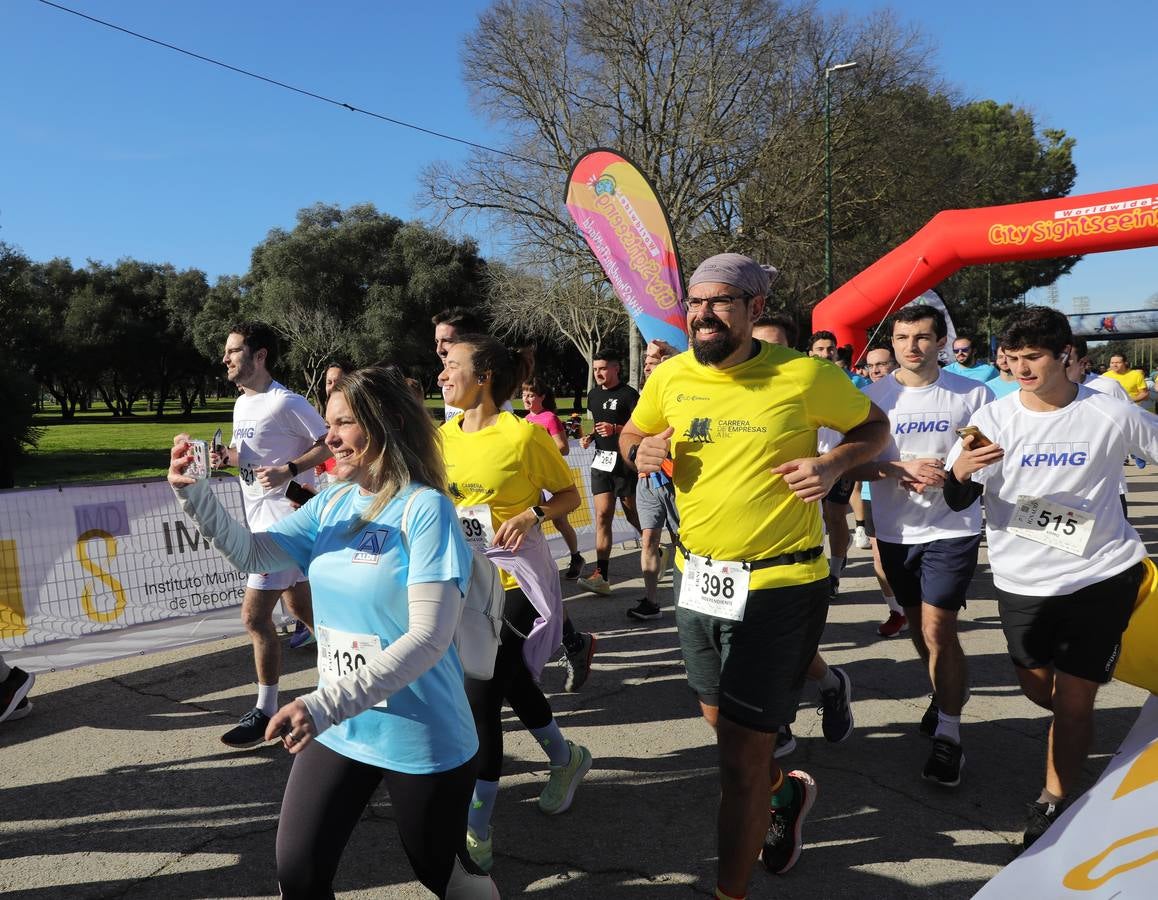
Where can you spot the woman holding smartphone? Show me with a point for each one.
(390, 704)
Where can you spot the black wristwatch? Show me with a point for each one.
(539, 514)
(632, 452)
(293, 468)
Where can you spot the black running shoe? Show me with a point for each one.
(836, 708)
(945, 763)
(644, 611)
(575, 567)
(13, 691)
(1039, 816)
(249, 732)
(783, 841)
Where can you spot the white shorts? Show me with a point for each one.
(275, 581)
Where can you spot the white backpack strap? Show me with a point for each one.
(406, 513)
(334, 497)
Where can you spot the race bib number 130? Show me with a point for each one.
(342, 652)
(715, 587)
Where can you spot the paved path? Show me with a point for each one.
(117, 786)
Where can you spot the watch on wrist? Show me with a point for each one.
(539, 514)
(631, 454)
(293, 468)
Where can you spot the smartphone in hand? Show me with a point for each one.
(979, 439)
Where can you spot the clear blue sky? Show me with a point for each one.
(112, 147)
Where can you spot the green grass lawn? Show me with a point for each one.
(96, 447)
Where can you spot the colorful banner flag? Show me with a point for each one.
(627, 229)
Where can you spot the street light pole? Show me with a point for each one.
(840, 67)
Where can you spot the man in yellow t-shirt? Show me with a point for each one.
(739, 419)
(1133, 382)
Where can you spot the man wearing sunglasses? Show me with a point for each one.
(965, 362)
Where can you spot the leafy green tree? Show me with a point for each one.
(360, 284)
(24, 328)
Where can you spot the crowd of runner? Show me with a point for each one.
(747, 453)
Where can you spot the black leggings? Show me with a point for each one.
(511, 682)
(326, 795)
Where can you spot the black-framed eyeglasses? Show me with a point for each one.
(714, 304)
(957, 351)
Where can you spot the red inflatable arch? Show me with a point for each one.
(1091, 223)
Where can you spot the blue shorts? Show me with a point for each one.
(937, 572)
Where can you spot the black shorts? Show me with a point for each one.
(937, 572)
(840, 492)
(869, 528)
(753, 670)
(1079, 633)
(618, 481)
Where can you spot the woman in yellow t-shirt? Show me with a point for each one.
(498, 465)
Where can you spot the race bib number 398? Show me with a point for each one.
(715, 587)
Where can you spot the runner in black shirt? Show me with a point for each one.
(611, 404)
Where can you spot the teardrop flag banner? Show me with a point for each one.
(627, 229)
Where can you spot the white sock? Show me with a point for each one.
(829, 681)
(267, 698)
(948, 727)
(894, 606)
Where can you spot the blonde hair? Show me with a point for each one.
(402, 442)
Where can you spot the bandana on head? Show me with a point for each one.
(734, 269)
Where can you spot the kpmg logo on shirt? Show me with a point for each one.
(921, 423)
(370, 546)
(245, 429)
(1035, 456)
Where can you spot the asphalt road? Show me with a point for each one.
(117, 785)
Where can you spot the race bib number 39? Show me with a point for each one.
(1053, 524)
(343, 652)
(476, 526)
(715, 587)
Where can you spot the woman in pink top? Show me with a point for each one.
(539, 400)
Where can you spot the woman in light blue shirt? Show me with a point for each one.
(390, 703)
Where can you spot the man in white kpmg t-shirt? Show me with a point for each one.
(278, 437)
(928, 551)
(1066, 564)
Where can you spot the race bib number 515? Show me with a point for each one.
(1053, 524)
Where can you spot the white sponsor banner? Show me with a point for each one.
(1105, 845)
(90, 573)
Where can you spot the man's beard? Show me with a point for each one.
(715, 350)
